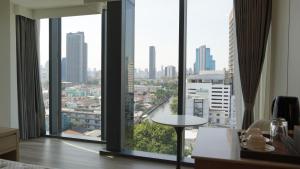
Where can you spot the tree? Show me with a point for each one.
(160, 95)
(152, 137)
(156, 138)
(174, 105)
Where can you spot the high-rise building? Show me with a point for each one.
(232, 52)
(64, 69)
(234, 73)
(152, 59)
(76, 58)
(204, 60)
(170, 71)
(85, 64)
(208, 96)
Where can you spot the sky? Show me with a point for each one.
(157, 24)
(89, 24)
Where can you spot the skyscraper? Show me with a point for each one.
(231, 45)
(152, 68)
(204, 60)
(63, 69)
(170, 71)
(85, 64)
(76, 58)
(233, 65)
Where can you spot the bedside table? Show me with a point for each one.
(9, 144)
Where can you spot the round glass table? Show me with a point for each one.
(179, 122)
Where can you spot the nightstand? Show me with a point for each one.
(9, 144)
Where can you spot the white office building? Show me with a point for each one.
(208, 97)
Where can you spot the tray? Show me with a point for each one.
(285, 152)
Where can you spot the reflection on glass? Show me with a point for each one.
(155, 81)
(129, 13)
(210, 53)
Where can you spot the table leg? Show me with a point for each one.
(179, 145)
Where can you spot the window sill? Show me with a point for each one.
(164, 158)
(76, 138)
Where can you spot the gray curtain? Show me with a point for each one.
(253, 18)
(30, 99)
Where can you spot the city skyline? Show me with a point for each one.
(157, 30)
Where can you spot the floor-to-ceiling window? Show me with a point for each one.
(155, 74)
(44, 65)
(210, 58)
(148, 72)
(79, 75)
(211, 71)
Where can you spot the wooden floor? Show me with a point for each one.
(57, 153)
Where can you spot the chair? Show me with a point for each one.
(288, 108)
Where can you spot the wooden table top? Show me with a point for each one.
(222, 144)
(7, 131)
(216, 143)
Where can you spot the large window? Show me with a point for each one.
(44, 65)
(155, 74)
(81, 76)
(209, 79)
(209, 76)
(142, 50)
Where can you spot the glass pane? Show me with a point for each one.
(128, 28)
(209, 89)
(155, 74)
(44, 65)
(81, 76)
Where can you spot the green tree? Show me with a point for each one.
(160, 95)
(152, 137)
(174, 105)
(156, 138)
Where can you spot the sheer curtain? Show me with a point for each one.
(262, 106)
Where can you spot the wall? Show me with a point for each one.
(5, 55)
(8, 66)
(13, 71)
(68, 11)
(294, 50)
(285, 76)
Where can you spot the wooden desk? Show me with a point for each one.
(218, 148)
(9, 144)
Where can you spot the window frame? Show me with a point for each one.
(55, 112)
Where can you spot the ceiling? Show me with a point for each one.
(42, 4)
